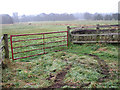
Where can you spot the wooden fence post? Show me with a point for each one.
(98, 26)
(97, 32)
(68, 29)
(6, 46)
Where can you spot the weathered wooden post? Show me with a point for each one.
(6, 46)
(68, 35)
(1, 48)
(97, 32)
(98, 26)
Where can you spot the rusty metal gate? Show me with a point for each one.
(29, 45)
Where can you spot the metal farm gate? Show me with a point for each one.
(28, 45)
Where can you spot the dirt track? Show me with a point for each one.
(104, 67)
(58, 81)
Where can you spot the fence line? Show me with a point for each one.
(82, 34)
(101, 34)
(94, 26)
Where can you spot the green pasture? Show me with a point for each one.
(46, 26)
(33, 72)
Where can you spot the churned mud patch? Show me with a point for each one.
(58, 82)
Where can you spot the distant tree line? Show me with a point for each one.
(7, 19)
(98, 16)
(46, 17)
(65, 17)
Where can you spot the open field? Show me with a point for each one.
(79, 66)
(47, 26)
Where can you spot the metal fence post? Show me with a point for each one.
(6, 46)
(11, 47)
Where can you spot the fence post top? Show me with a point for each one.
(98, 24)
(5, 34)
(68, 27)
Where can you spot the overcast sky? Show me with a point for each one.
(57, 6)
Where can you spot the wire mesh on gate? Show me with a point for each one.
(28, 45)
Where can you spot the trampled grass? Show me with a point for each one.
(34, 72)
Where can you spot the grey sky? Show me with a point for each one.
(58, 6)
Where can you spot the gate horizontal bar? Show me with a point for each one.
(28, 45)
(38, 38)
(28, 40)
(37, 33)
(30, 56)
(28, 51)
